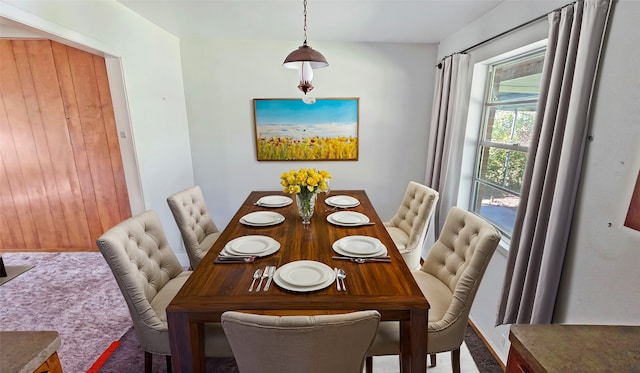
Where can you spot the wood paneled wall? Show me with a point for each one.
(61, 176)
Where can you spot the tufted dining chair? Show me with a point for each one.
(310, 344)
(149, 276)
(198, 230)
(449, 279)
(408, 227)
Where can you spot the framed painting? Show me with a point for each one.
(633, 215)
(292, 130)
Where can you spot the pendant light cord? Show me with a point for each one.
(305, 22)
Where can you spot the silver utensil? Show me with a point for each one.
(234, 259)
(364, 260)
(272, 271)
(342, 275)
(265, 274)
(335, 270)
(385, 257)
(256, 275)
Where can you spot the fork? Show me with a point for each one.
(265, 274)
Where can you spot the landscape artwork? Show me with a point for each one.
(292, 130)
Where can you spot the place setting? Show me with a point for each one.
(361, 249)
(349, 219)
(342, 202)
(274, 201)
(304, 276)
(245, 249)
(262, 219)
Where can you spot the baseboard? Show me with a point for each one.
(489, 347)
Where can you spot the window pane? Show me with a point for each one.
(496, 206)
(517, 80)
(510, 124)
(502, 167)
(508, 120)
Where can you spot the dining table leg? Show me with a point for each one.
(186, 340)
(413, 342)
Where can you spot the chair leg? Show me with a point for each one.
(147, 362)
(455, 360)
(432, 360)
(169, 367)
(368, 364)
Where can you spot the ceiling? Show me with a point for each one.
(398, 21)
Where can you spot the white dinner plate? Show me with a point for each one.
(274, 201)
(342, 201)
(359, 247)
(347, 218)
(304, 275)
(252, 245)
(262, 218)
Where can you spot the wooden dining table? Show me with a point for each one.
(215, 288)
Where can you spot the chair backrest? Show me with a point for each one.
(310, 344)
(194, 222)
(414, 213)
(142, 262)
(459, 259)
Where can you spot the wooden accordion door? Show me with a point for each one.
(61, 176)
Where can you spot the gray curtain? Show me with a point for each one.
(446, 138)
(552, 175)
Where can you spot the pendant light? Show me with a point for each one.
(305, 59)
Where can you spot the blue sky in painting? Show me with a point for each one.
(295, 119)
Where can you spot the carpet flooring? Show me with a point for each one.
(72, 293)
(475, 357)
(76, 295)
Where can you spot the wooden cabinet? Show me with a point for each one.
(574, 348)
(517, 364)
(52, 365)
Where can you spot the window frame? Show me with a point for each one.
(482, 144)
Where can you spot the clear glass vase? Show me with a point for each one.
(306, 203)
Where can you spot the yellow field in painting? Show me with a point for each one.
(319, 148)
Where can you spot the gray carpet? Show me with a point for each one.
(129, 358)
(483, 358)
(76, 294)
(72, 293)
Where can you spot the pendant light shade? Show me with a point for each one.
(305, 59)
(305, 53)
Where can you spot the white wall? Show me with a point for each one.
(600, 280)
(149, 99)
(393, 81)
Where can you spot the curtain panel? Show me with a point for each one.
(552, 175)
(446, 137)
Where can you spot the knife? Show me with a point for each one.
(385, 257)
(272, 271)
(235, 259)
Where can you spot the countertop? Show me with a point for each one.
(578, 348)
(25, 351)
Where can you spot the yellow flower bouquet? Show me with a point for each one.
(305, 183)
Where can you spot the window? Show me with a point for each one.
(507, 127)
